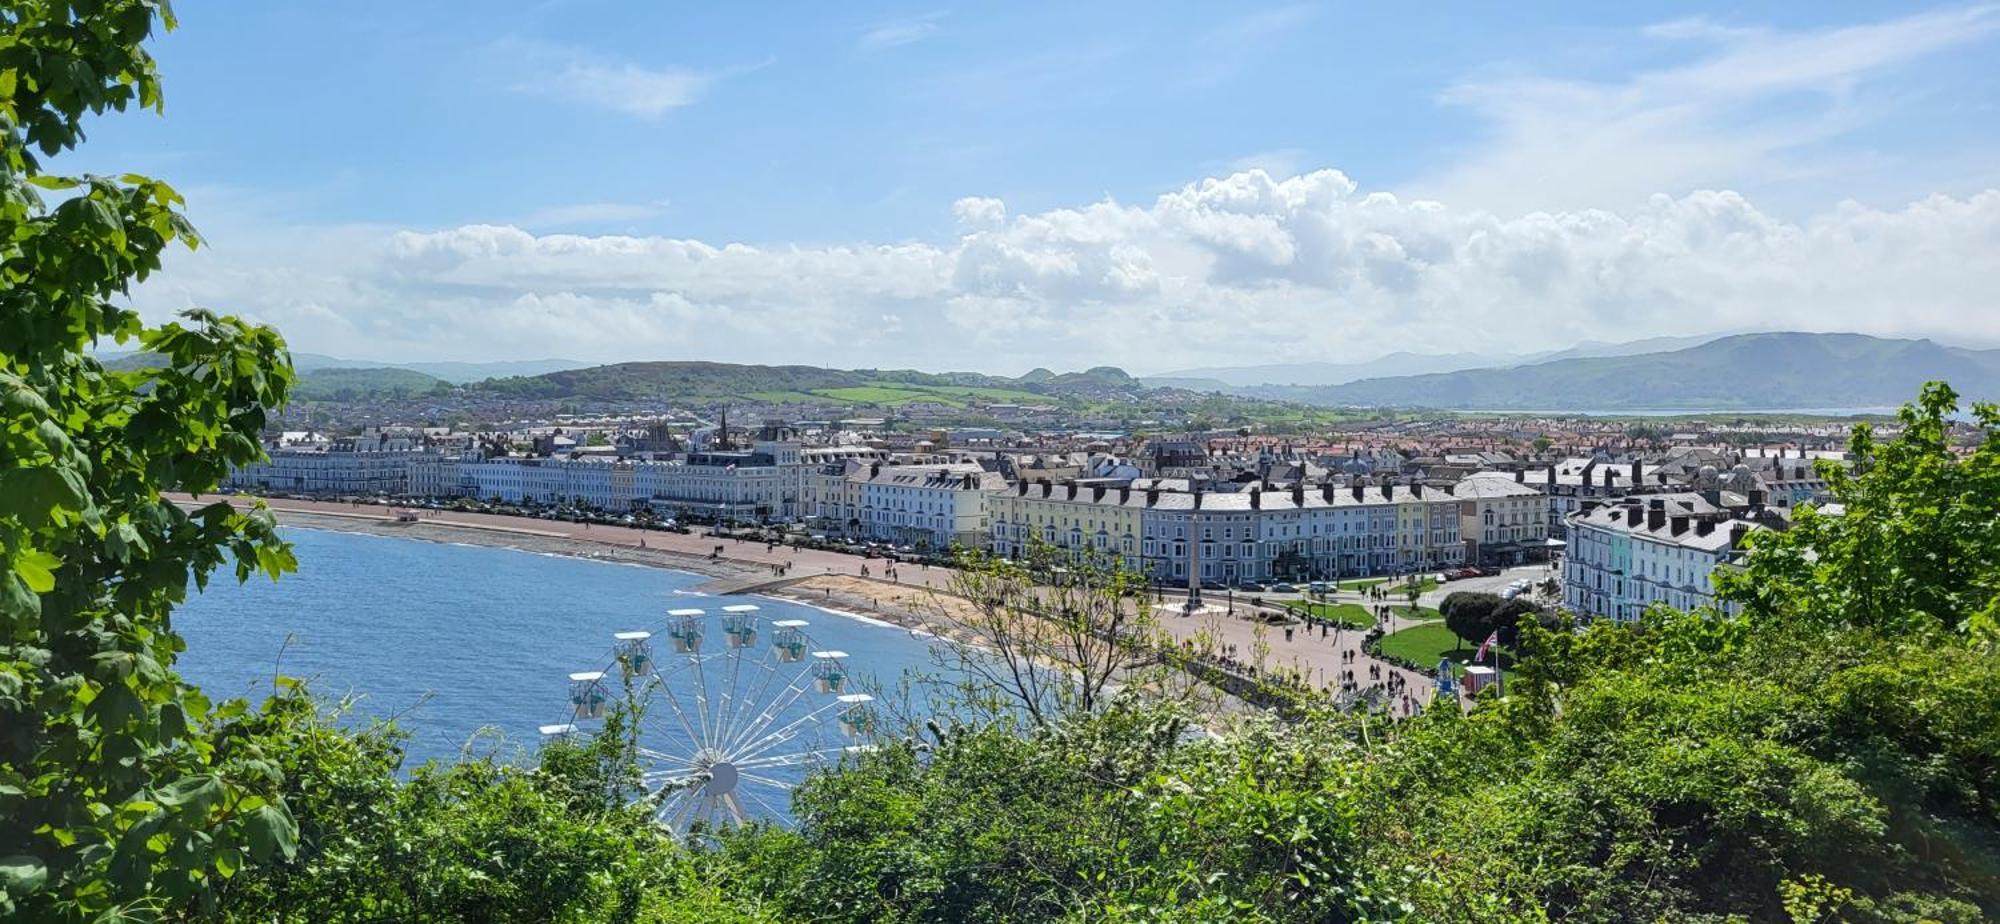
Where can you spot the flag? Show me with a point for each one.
(1491, 641)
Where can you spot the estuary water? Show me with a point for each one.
(470, 647)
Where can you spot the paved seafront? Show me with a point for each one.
(740, 564)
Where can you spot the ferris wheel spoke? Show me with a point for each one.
(780, 705)
(763, 803)
(726, 709)
(680, 713)
(748, 709)
(785, 733)
(772, 782)
(789, 760)
(674, 809)
(735, 807)
(701, 695)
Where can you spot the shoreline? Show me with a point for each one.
(836, 596)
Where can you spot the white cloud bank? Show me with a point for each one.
(1237, 269)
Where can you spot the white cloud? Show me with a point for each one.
(1572, 144)
(977, 212)
(588, 78)
(900, 32)
(1245, 267)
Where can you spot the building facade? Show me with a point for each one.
(1661, 549)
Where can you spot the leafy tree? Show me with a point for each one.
(121, 790)
(1469, 614)
(1053, 633)
(1917, 542)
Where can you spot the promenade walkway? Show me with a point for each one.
(1318, 656)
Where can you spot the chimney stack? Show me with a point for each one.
(1256, 498)
(1298, 494)
(1197, 500)
(1358, 489)
(1737, 531)
(1124, 494)
(1656, 518)
(1326, 491)
(1152, 497)
(1097, 492)
(1680, 524)
(1520, 475)
(1704, 527)
(1637, 477)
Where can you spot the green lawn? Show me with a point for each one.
(1415, 612)
(785, 397)
(880, 394)
(1352, 615)
(968, 391)
(1427, 643)
(1424, 586)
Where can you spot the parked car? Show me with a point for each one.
(1284, 588)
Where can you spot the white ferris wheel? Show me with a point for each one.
(727, 723)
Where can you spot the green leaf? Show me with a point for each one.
(227, 861)
(272, 833)
(37, 569)
(21, 874)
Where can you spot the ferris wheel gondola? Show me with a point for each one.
(724, 728)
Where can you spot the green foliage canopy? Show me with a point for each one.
(122, 791)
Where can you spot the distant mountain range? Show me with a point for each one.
(1760, 371)
(453, 372)
(1224, 378)
(1765, 371)
(709, 382)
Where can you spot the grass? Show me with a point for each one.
(1352, 615)
(1415, 612)
(969, 391)
(784, 397)
(879, 394)
(1427, 643)
(1424, 586)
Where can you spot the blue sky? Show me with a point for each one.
(1000, 185)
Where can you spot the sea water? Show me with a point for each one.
(469, 647)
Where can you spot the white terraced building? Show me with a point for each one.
(1299, 532)
(926, 506)
(1658, 549)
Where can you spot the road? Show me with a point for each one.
(1319, 658)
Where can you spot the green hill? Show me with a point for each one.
(707, 381)
(1746, 371)
(361, 384)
